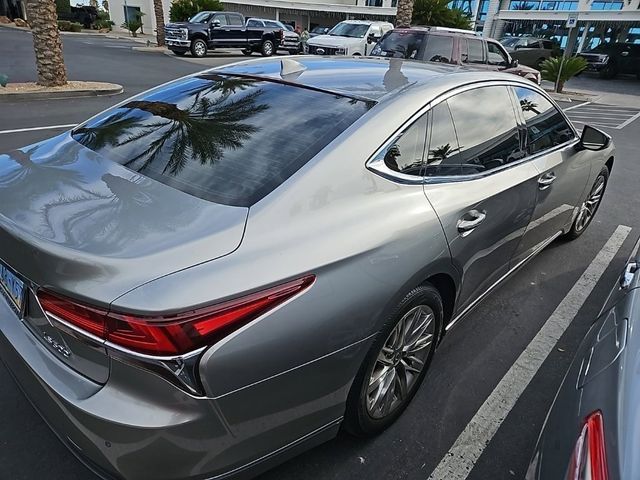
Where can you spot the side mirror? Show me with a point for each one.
(514, 63)
(371, 38)
(215, 23)
(593, 139)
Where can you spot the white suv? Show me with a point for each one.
(351, 37)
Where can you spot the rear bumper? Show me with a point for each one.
(139, 426)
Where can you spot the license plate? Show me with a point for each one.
(11, 287)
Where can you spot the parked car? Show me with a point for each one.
(452, 46)
(351, 37)
(528, 50)
(591, 430)
(610, 59)
(209, 30)
(189, 294)
(318, 30)
(290, 40)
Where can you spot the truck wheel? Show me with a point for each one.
(247, 52)
(198, 48)
(267, 48)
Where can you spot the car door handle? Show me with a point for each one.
(546, 180)
(470, 221)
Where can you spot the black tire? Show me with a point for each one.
(198, 48)
(179, 53)
(609, 71)
(247, 52)
(268, 48)
(358, 419)
(578, 227)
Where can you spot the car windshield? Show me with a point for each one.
(319, 30)
(401, 44)
(202, 17)
(222, 138)
(510, 42)
(353, 30)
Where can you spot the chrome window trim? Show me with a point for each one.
(378, 166)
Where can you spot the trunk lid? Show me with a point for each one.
(81, 225)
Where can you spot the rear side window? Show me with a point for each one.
(401, 44)
(405, 154)
(439, 49)
(546, 127)
(474, 52)
(486, 129)
(235, 20)
(220, 17)
(223, 138)
(254, 23)
(271, 24)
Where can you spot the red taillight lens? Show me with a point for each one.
(589, 458)
(172, 334)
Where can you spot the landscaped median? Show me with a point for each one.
(33, 91)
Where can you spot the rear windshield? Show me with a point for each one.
(226, 139)
(401, 44)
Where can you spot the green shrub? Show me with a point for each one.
(133, 26)
(437, 13)
(570, 66)
(76, 27)
(63, 6)
(101, 23)
(183, 10)
(64, 25)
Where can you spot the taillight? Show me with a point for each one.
(589, 457)
(172, 334)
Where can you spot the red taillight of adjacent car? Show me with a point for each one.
(172, 334)
(589, 458)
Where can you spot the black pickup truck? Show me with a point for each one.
(209, 30)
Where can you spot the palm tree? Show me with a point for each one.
(404, 13)
(46, 43)
(159, 11)
(437, 13)
(529, 106)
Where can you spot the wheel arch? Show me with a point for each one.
(199, 36)
(446, 286)
(609, 164)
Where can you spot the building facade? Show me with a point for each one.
(306, 14)
(597, 20)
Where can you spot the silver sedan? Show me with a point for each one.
(219, 273)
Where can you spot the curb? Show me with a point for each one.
(151, 49)
(9, 97)
(573, 97)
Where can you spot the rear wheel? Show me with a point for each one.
(589, 207)
(267, 48)
(198, 48)
(396, 363)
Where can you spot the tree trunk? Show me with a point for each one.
(159, 11)
(404, 13)
(46, 42)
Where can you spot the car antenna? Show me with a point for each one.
(290, 69)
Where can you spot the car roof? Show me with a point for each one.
(367, 78)
(366, 22)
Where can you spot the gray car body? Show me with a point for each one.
(279, 384)
(603, 376)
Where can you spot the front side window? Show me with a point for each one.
(214, 135)
(496, 56)
(546, 127)
(439, 49)
(486, 129)
(443, 145)
(406, 152)
(202, 17)
(235, 20)
(220, 17)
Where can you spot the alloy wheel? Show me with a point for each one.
(590, 205)
(400, 361)
(200, 49)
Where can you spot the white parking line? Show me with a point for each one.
(637, 115)
(33, 129)
(465, 452)
(576, 106)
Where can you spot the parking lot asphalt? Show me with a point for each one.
(473, 358)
